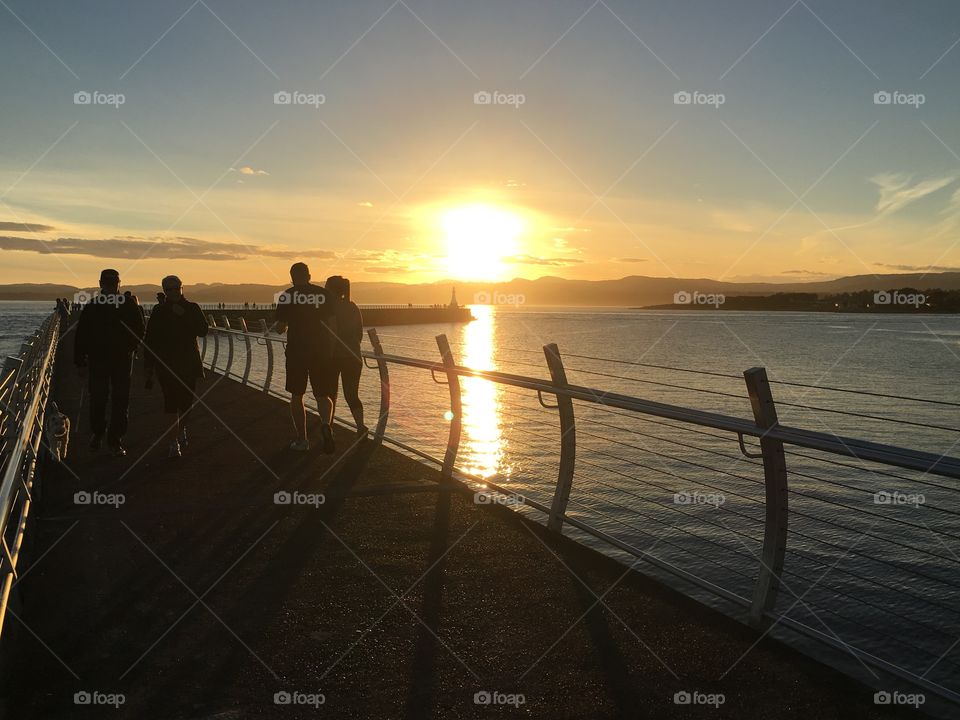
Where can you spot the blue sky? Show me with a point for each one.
(355, 184)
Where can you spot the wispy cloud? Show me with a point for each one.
(25, 227)
(897, 190)
(179, 248)
(247, 170)
(806, 273)
(383, 270)
(919, 268)
(632, 260)
(548, 261)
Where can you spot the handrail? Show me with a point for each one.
(759, 603)
(26, 407)
(944, 466)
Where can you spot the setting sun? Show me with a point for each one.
(480, 238)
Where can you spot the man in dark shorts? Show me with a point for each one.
(305, 312)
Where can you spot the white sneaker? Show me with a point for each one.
(174, 452)
(300, 445)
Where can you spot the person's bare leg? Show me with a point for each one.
(325, 408)
(356, 410)
(298, 414)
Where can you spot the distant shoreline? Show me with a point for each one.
(878, 310)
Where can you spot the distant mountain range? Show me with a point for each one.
(631, 291)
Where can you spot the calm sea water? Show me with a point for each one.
(18, 320)
(880, 577)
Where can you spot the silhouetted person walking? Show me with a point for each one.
(305, 313)
(109, 332)
(173, 355)
(347, 361)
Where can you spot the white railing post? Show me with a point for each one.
(216, 345)
(229, 365)
(266, 331)
(775, 485)
(248, 362)
(456, 408)
(568, 440)
(384, 386)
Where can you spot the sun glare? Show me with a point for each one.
(480, 238)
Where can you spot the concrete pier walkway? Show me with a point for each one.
(200, 597)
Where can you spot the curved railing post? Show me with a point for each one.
(384, 386)
(216, 344)
(229, 365)
(568, 440)
(775, 484)
(248, 358)
(456, 408)
(266, 331)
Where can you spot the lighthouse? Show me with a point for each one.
(453, 298)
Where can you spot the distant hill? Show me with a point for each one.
(632, 291)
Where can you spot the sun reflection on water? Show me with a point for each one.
(483, 446)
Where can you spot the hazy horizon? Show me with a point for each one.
(419, 141)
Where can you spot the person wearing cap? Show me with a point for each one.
(173, 356)
(108, 333)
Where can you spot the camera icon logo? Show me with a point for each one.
(82, 97)
(282, 698)
(882, 97)
(882, 697)
(482, 98)
(682, 698)
(82, 498)
(682, 298)
(482, 698)
(282, 498)
(682, 98)
(82, 698)
(481, 298)
(282, 97)
(882, 298)
(482, 498)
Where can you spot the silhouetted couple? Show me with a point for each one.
(324, 329)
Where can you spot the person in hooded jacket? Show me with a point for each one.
(172, 355)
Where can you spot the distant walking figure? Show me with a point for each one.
(172, 354)
(63, 310)
(347, 361)
(108, 334)
(305, 313)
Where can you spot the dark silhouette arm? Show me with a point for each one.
(150, 340)
(81, 342)
(198, 321)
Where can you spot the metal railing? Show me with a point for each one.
(25, 386)
(793, 538)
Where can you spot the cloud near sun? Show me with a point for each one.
(180, 248)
